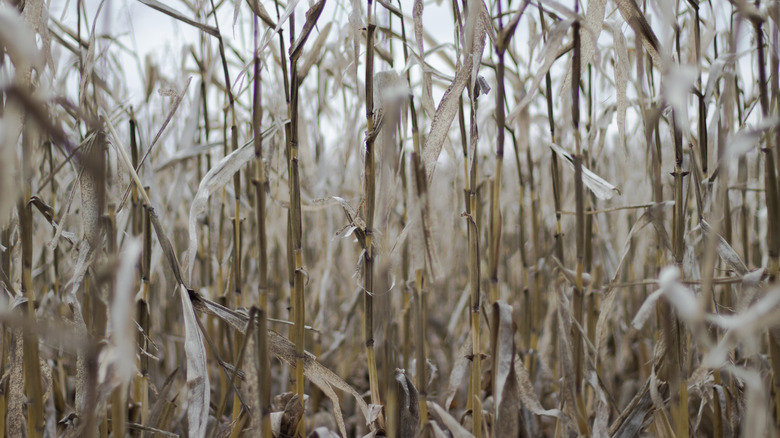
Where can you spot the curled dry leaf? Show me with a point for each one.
(448, 421)
(460, 370)
(600, 187)
(509, 420)
(216, 178)
(531, 401)
(408, 419)
(283, 349)
(636, 19)
(197, 369)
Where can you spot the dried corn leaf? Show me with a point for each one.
(460, 370)
(549, 54)
(155, 413)
(745, 328)
(509, 419)
(646, 310)
(448, 106)
(651, 215)
(726, 252)
(442, 119)
(408, 419)
(197, 370)
(598, 185)
(219, 175)
(427, 96)
(589, 35)
(682, 299)
(636, 19)
(622, 64)
(312, 15)
(257, 7)
(283, 349)
(448, 421)
(531, 401)
(122, 328)
(316, 50)
(89, 59)
(635, 416)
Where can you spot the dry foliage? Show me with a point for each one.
(281, 237)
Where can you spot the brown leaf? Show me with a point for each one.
(312, 15)
(636, 19)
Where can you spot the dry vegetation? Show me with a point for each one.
(286, 234)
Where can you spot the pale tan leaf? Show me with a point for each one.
(442, 119)
(316, 51)
(197, 369)
(509, 419)
(549, 54)
(531, 401)
(219, 175)
(448, 421)
(122, 328)
(89, 59)
(600, 187)
(646, 310)
(589, 35)
(726, 252)
(460, 371)
(622, 64)
(636, 19)
(312, 15)
(257, 7)
(283, 349)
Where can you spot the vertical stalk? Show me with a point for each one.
(32, 370)
(422, 379)
(296, 237)
(476, 360)
(495, 201)
(670, 323)
(237, 408)
(405, 262)
(555, 168)
(236, 221)
(368, 210)
(702, 127)
(578, 298)
(55, 252)
(260, 182)
(263, 373)
(143, 316)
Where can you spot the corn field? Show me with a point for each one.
(402, 218)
